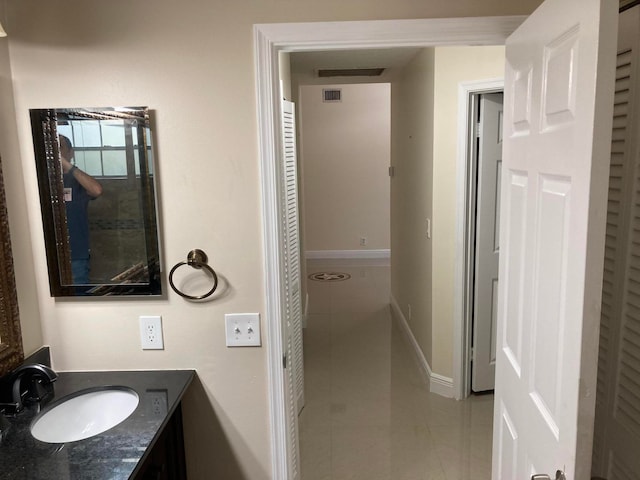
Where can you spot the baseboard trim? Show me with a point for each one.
(438, 384)
(442, 385)
(382, 253)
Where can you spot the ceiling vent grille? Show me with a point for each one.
(350, 72)
(331, 95)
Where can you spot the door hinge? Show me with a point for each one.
(392, 171)
(478, 129)
(284, 361)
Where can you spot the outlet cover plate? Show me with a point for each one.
(242, 329)
(158, 403)
(151, 332)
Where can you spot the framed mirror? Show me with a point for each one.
(11, 354)
(97, 195)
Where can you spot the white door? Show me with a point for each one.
(292, 327)
(292, 247)
(487, 254)
(558, 107)
(617, 435)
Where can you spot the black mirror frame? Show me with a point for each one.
(49, 172)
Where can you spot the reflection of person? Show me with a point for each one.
(79, 188)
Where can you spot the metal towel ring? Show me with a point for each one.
(195, 259)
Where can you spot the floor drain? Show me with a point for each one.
(329, 276)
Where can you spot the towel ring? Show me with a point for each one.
(195, 259)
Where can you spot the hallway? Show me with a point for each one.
(368, 412)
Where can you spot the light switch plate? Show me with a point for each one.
(242, 329)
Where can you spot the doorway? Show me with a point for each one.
(484, 170)
(271, 38)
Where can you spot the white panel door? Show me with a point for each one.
(292, 327)
(558, 107)
(487, 254)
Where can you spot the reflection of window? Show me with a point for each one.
(100, 146)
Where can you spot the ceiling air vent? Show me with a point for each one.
(351, 72)
(331, 95)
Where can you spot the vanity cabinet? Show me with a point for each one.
(166, 460)
(147, 445)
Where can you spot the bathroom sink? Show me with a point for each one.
(85, 414)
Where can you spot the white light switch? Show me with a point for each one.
(242, 329)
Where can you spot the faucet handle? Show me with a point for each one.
(38, 390)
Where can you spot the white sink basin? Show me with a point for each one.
(85, 414)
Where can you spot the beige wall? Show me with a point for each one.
(193, 64)
(453, 65)
(411, 195)
(344, 155)
(424, 153)
(17, 209)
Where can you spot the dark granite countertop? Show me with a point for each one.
(114, 454)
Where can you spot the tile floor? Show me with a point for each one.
(368, 414)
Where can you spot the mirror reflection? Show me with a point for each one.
(79, 189)
(96, 181)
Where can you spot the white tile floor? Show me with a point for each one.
(368, 414)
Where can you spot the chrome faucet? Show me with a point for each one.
(40, 377)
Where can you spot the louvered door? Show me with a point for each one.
(292, 260)
(617, 434)
(293, 311)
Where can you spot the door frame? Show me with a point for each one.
(465, 220)
(269, 41)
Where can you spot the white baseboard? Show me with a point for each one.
(382, 253)
(442, 385)
(438, 384)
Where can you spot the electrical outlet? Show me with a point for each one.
(242, 329)
(363, 241)
(158, 401)
(151, 333)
